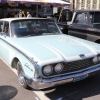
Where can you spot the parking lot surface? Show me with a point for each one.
(10, 89)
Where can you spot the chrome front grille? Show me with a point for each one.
(78, 65)
(72, 67)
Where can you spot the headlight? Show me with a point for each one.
(59, 67)
(48, 70)
(95, 60)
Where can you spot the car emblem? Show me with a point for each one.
(82, 55)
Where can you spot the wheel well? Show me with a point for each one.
(97, 41)
(14, 63)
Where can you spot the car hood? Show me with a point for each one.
(55, 48)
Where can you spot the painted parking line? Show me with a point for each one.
(40, 94)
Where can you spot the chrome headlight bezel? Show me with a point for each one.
(95, 60)
(98, 58)
(57, 67)
(46, 68)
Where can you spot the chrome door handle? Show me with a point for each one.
(71, 25)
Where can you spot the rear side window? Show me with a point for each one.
(95, 17)
(81, 19)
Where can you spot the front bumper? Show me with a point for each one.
(40, 83)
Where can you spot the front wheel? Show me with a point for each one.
(20, 73)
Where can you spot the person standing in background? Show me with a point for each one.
(28, 15)
(20, 14)
(23, 14)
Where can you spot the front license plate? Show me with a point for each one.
(79, 78)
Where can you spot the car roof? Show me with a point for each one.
(12, 19)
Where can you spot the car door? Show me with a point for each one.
(94, 30)
(79, 26)
(4, 35)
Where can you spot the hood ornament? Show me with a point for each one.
(82, 55)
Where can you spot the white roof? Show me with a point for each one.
(11, 19)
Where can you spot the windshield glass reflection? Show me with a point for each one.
(34, 27)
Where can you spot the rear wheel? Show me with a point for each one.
(20, 73)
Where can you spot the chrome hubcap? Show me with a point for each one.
(20, 74)
(21, 79)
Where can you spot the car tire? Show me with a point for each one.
(20, 73)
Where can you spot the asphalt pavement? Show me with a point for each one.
(10, 89)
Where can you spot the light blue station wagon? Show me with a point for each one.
(43, 56)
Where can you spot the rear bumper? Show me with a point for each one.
(40, 83)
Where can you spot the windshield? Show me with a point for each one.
(34, 27)
(95, 17)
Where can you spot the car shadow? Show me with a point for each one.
(7, 92)
(82, 90)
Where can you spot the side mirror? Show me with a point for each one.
(68, 15)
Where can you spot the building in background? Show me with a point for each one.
(85, 4)
(37, 8)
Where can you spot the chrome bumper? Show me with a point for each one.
(40, 83)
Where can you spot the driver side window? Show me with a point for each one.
(81, 19)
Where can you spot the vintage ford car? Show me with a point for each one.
(43, 56)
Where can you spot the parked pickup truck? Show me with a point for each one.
(85, 24)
